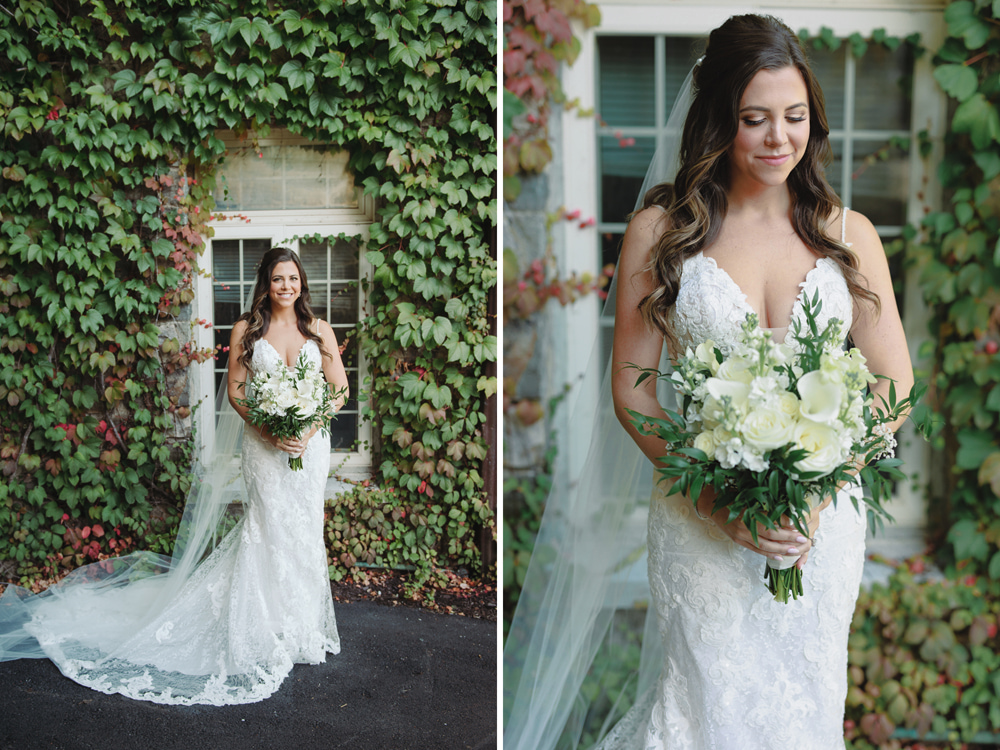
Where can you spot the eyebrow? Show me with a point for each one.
(755, 108)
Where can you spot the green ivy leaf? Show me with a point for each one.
(958, 81)
(969, 542)
(978, 117)
(963, 21)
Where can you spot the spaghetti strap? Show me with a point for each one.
(843, 226)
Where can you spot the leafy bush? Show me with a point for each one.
(924, 656)
(374, 526)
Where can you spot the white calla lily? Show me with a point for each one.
(820, 399)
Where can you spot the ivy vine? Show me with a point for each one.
(956, 252)
(109, 111)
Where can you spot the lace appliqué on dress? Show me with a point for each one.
(741, 671)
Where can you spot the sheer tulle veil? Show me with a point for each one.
(589, 558)
(117, 596)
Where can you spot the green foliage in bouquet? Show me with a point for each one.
(765, 481)
(310, 402)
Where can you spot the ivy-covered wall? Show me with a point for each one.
(109, 113)
(956, 250)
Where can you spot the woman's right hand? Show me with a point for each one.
(772, 543)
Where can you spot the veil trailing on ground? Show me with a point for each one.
(587, 572)
(96, 606)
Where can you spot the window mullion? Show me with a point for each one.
(847, 164)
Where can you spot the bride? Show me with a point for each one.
(224, 629)
(748, 225)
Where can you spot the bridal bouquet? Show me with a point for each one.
(290, 401)
(774, 428)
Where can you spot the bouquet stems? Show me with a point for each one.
(783, 582)
(295, 463)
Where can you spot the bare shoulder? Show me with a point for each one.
(859, 233)
(239, 329)
(647, 225)
(324, 329)
(644, 230)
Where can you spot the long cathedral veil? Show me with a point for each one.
(104, 600)
(588, 566)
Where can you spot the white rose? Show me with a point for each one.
(788, 402)
(823, 445)
(706, 442)
(735, 369)
(767, 429)
(307, 404)
(705, 354)
(820, 399)
(285, 398)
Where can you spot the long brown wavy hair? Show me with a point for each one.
(259, 317)
(697, 202)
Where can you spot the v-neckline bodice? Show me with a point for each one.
(741, 297)
(282, 359)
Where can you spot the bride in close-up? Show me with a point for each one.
(739, 219)
(226, 617)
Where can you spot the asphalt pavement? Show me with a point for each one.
(405, 679)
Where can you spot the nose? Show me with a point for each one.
(776, 133)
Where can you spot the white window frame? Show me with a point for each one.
(280, 227)
(579, 176)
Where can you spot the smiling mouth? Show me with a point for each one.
(779, 159)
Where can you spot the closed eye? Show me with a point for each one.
(754, 123)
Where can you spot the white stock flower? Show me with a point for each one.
(753, 460)
(822, 443)
(766, 429)
(764, 390)
(820, 399)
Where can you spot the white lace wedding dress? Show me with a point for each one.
(741, 671)
(258, 604)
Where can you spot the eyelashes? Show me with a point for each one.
(755, 123)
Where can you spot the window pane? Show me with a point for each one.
(226, 260)
(883, 89)
(285, 177)
(313, 257)
(343, 431)
(343, 304)
(344, 261)
(881, 177)
(253, 251)
(626, 80)
(623, 169)
(227, 303)
(829, 70)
